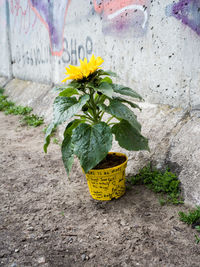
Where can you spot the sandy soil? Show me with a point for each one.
(49, 220)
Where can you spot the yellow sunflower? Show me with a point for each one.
(94, 63)
(84, 70)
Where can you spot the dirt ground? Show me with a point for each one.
(48, 220)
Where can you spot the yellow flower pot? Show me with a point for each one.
(105, 184)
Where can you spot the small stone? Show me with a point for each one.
(30, 228)
(16, 250)
(123, 223)
(70, 240)
(83, 257)
(91, 255)
(97, 236)
(177, 228)
(41, 260)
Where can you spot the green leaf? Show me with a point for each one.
(64, 109)
(105, 88)
(67, 148)
(67, 153)
(59, 88)
(1, 91)
(121, 111)
(106, 79)
(128, 137)
(123, 90)
(67, 107)
(69, 92)
(47, 137)
(91, 143)
(72, 125)
(197, 227)
(107, 72)
(75, 84)
(133, 105)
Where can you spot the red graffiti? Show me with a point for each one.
(124, 16)
(111, 6)
(55, 26)
(24, 13)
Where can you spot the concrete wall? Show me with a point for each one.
(5, 57)
(154, 46)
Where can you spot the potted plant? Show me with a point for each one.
(87, 98)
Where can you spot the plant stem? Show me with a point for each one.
(101, 116)
(93, 106)
(85, 117)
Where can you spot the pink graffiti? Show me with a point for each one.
(2, 2)
(123, 16)
(54, 23)
(24, 14)
(2, 18)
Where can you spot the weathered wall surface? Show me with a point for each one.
(5, 59)
(152, 45)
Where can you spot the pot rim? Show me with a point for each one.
(112, 168)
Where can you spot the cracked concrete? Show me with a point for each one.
(173, 133)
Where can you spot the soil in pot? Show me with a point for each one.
(110, 161)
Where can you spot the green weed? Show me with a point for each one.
(32, 120)
(9, 107)
(197, 228)
(166, 183)
(197, 239)
(4, 103)
(18, 110)
(62, 213)
(192, 217)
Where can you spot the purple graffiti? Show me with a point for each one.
(123, 17)
(187, 11)
(52, 14)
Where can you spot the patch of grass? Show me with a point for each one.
(192, 217)
(197, 239)
(9, 107)
(166, 183)
(4, 103)
(32, 120)
(18, 110)
(197, 228)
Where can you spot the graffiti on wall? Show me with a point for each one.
(22, 15)
(188, 12)
(2, 16)
(119, 17)
(73, 51)
(40, 55)
(52, 14)
(123, 17)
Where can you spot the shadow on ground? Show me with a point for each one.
(49, 220)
